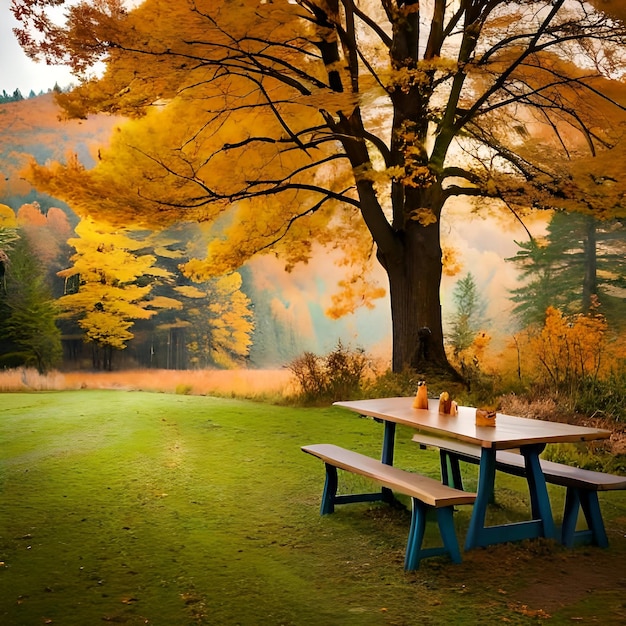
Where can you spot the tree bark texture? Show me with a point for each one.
(414, 284)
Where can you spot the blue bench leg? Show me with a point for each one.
(445, 519)
(591, 508)
(330, 490)
(414, 551)
(416, 535)
(588, 501)
(570, 517)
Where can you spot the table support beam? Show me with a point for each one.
(476, 535)
(542, 524)
(540, 502)
(389, 438)
(386, 457)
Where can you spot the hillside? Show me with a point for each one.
(32, 128)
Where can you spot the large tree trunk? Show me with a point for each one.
(410, 252)
(414, 283)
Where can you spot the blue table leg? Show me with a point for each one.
(476, 535)
(542, 524)
(540, 502)
(330, 490)
(389, 438)
(388, 443)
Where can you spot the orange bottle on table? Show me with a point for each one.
(421, 398)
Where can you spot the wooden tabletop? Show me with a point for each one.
(509, 431)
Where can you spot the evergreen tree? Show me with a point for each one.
(580, 263)
(27, 313)
(468, 316)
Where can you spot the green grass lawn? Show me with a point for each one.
(146, 508)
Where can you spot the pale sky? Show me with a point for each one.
(17, 71)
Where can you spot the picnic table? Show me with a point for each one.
(529, 436)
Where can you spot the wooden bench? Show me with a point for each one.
(582, 485)
(425, 493)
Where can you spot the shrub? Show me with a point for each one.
(308, 370)
(394, 384)
(575, 359)
(583, 456)
(337, 375)
(570, 348)
(605, 398)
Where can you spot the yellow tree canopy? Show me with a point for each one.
(7, 217)
(108, 298)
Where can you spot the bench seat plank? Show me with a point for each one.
(425, 493)
(555, 473)
(430, 491)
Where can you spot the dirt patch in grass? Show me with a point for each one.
(540, 579)
(577, 584)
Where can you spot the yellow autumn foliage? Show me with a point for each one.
(108, 298)
(424, 216)
(270, 122)
(571, 348)
(355, 291)
(7, 217)
(220, 333)
(451, 259)
(190, 291)
(163, 302)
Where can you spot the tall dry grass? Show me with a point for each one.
(240, 383)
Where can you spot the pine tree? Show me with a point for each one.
(468, 317)
(580, 264)
(28, 313)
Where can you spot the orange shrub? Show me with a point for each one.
(571, 348)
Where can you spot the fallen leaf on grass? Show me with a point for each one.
(524, 610)
(190, 598)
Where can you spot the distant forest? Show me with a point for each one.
(268, 324)
(262, 316)
(17, 95)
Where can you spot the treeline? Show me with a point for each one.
(75, 297)
(17, 95)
